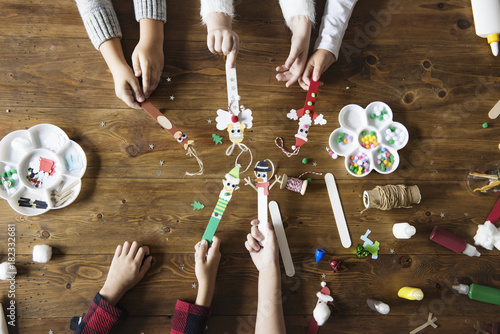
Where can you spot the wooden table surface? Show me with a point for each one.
(423, 59)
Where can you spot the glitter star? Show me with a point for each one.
(169, 79)
(442, 215)
(172, 97)
(51, 331)
(182, 266)
(209, 121)
(466, 214)
(327, 149)
(392, 250)
(103, 123)
(151, 146)
(159, 173)
(315, 164)
(233, 87)
(162, 162)
(194, 285)
(232, 79)
(323, 276)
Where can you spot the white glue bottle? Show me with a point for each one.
(378, 306)
(403, 230)
(487, 21)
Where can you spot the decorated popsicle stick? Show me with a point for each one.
(305, 116)
(230, 184)
(178, 135)
(321, 312)
(236, 119)
(495, 111)
(286, 257)
(338, 211)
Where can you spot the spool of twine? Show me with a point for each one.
(296, 184)
(391, 197)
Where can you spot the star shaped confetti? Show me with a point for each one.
(392, 251)
(151, 146)
(159, 173)
(194, 285)
(209, 121)
(51, 331)
(315, 163)
(162, 162)
(103, 123)
(172, 97)
(323, 276)
(442, 215)
(327, 149)
(182, 267)
(169, 79)
(466, 214)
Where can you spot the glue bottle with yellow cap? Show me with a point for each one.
(410, 293)
(487, 21)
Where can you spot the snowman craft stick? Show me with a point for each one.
(236, 119)
(180, 136)
(305, 116)
(262, 187)
(230, 184)
(321, 312)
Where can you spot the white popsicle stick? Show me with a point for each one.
(338, 212)
(495, 111)
(262, 213)
(286, 257)
(232, 89)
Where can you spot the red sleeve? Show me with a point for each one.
(100, 317)
(189, 318)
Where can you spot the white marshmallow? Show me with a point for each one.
(42, 253)
(7, 271)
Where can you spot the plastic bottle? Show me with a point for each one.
(480, 292)
(487, 21)
(403, 230)
(410, 293)
(453, 242)
(378, 306)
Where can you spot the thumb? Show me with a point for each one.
(291, 58)
(136, 65)
(317, 73)
(136, 88)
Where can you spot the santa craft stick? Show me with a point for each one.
(262, 187)
(305, 116)
(181, 137)
(230, 184)
(321, 312)
(236, 119)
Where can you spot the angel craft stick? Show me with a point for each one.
(230, 184)
(236, 119)
(178, 135)
(262, 187)
(306, 116)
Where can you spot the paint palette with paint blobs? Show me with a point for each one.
(40, 169)
(369, 139)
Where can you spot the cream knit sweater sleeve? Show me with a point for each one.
(292, 8)
(216, 6)
(100, 19)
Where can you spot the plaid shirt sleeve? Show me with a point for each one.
(100, 317)
(189, 318)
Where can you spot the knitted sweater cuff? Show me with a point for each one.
(151, 9)
(101, 25)
(292, 8)
(216, 6)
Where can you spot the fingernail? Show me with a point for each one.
(315, 78)
(203, 242)
(140, 99)
(137, 73)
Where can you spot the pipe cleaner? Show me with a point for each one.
(180, 136)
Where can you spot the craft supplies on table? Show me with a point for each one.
(479, 292)
(33, 165)
(485, 179)
(452, 242)
(178, 135)
(369, 139)
(410, 293)
(279, 229)
(338, 212)
(487, 21)
(391, 197)
(322, 311)
(378, 306)
(403, 230)
(306, 116)
(296, 184)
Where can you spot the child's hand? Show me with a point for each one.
(206, 266)
(294, 65)
(127, 268)
(221, 39)
(127, 86)
(264, 257)
(317, 64)
(147, 58)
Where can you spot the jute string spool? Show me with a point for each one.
(391, 197)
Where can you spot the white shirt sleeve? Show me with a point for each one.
(216, 6)
(334, 24)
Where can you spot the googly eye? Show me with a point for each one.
(228, 184)
(301, 130)
(239, 131)
(233, 185)
(306, 132)
(184, 136)
(232, 131)
(180, 139)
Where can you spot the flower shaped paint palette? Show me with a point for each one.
(369, 139)
(40, 169)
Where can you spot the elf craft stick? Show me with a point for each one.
(262, 187)
(305, 116)
(338, 212)
(180, 136)
(230, 184)
(286, 257)
(236, 119)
